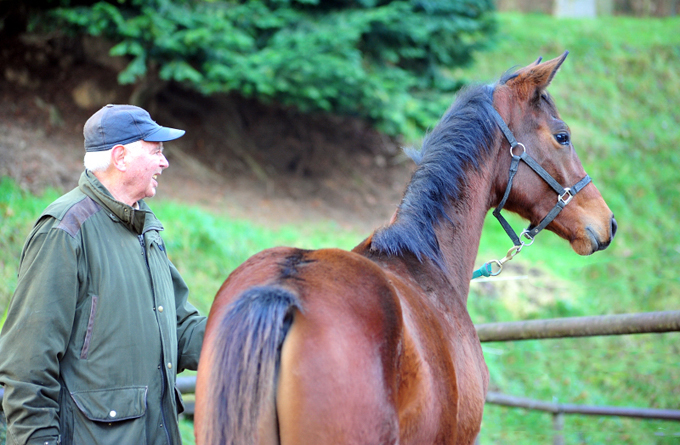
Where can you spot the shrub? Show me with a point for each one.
(384, 61)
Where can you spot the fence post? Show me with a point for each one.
(558, 426)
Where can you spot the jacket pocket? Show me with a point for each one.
(180, 403)
(90, 327)
(114, 416)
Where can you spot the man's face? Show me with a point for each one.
(145, 162)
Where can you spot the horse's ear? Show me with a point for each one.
(537, 76)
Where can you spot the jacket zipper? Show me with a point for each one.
(141, 243)
(163, 374)
(163, 392)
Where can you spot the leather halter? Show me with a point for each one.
(564, 196)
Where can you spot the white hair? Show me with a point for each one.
(97, 161)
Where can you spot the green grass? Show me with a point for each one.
(618, 91)
(18, 211)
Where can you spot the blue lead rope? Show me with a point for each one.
(484, 271)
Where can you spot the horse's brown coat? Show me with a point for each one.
(382, 349)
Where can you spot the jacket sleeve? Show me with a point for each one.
(190, 324)
(36, 333)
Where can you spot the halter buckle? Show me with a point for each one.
(560, 198)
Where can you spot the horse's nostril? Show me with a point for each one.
(614, 226)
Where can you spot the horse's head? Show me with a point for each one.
(530, 113)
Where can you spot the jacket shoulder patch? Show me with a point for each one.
(77, 215)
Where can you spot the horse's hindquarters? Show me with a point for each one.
(336, 369)
(346, 359)
(333, 387)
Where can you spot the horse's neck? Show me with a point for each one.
(459, 234)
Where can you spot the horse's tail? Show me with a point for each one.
(245, 367)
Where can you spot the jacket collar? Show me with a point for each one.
(138, 220)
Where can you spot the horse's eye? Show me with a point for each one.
(562, 138)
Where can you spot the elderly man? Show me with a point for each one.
(99, 324)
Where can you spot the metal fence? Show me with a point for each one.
(642, 323)
(558, 410)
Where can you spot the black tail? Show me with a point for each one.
(247, 355)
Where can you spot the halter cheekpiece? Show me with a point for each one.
(564, 196)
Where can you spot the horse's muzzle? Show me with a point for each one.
(598, 243)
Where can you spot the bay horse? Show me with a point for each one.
(375, 345)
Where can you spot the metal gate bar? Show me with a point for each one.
(642, 323)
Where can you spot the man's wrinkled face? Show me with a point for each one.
(145, 162)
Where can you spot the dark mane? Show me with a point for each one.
(462, 137)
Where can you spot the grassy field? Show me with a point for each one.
(618, 91)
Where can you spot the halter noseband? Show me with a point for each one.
(564, 196)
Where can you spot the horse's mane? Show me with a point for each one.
(463, 136)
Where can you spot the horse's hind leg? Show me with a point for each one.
(334, 388)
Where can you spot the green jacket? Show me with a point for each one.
(97, 329)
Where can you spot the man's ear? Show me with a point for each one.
(118, 153)
(536, 76)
